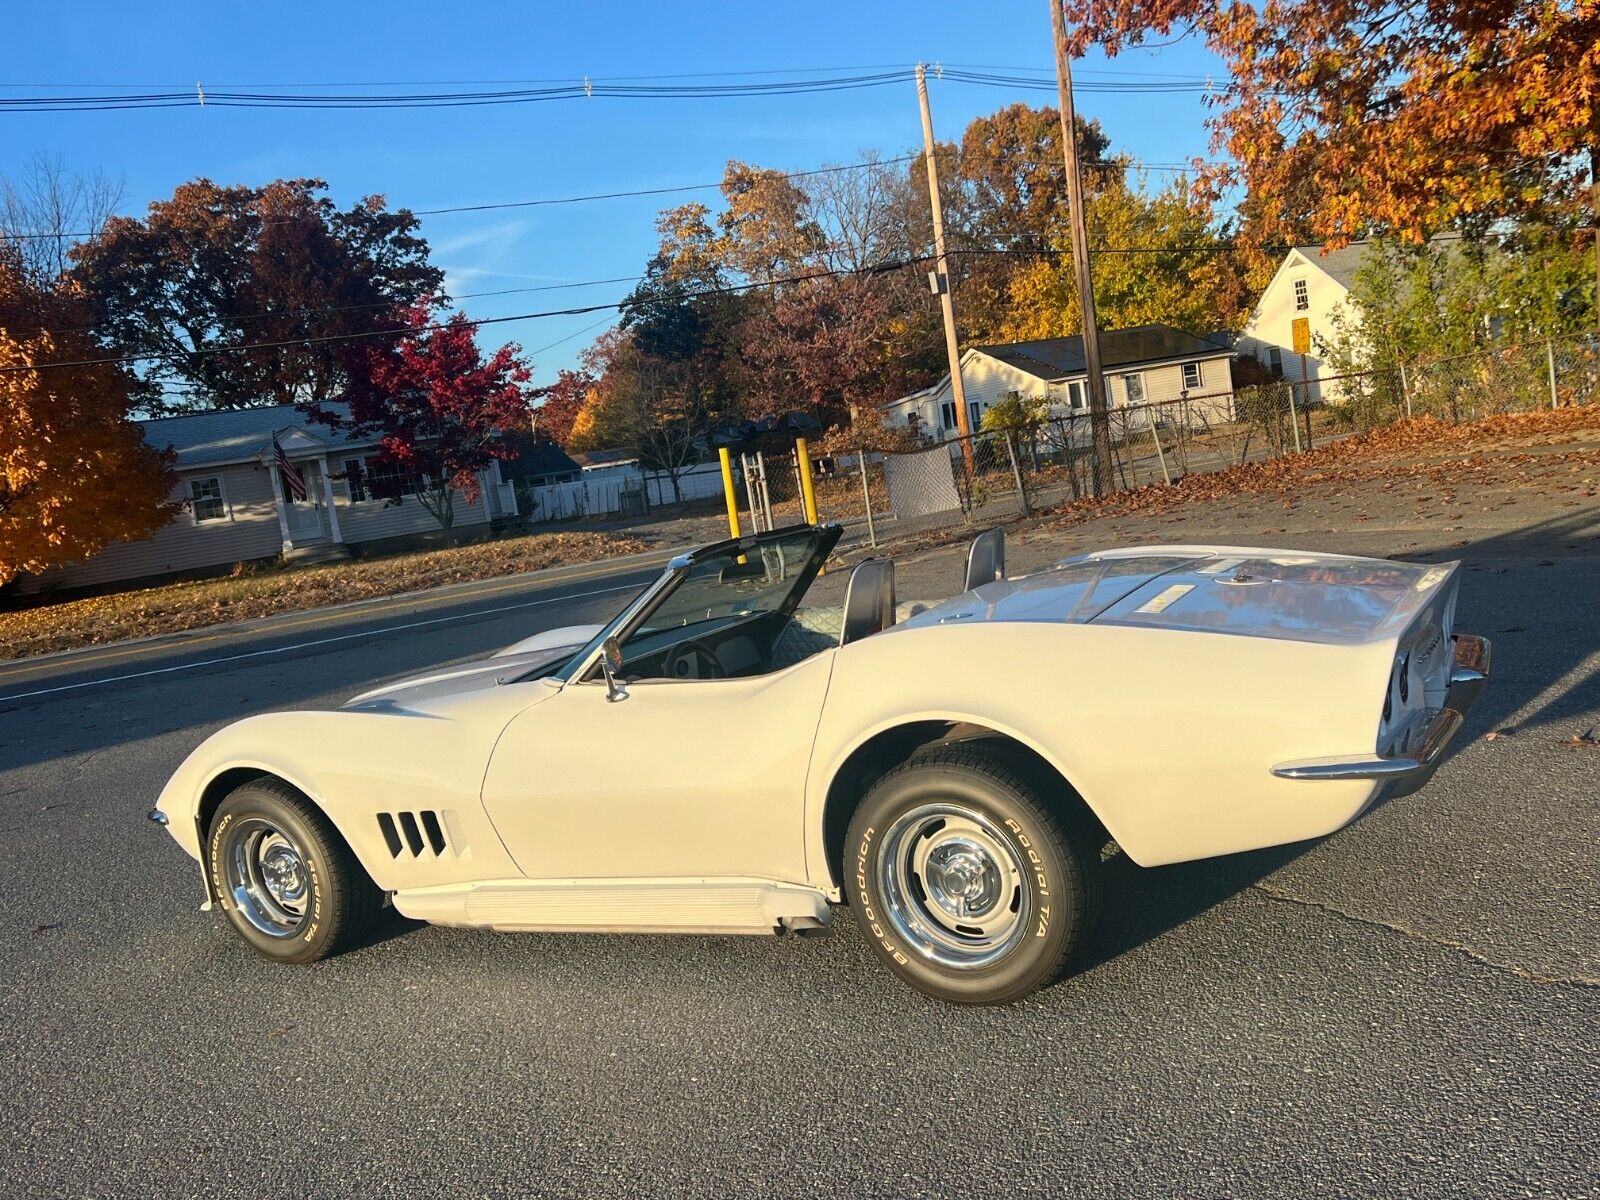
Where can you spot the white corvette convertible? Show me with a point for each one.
(721, 758)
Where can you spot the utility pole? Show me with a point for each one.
(941, 276)
(1099, 418)
(1594, 210)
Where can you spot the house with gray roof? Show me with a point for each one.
(1307, 293)
(1144, 366)
(237, 505)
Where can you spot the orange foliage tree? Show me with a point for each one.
(75, 472)
(1346, 117)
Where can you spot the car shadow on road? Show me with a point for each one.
(1140, 904)
(1551, 570)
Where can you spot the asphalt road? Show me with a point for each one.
(1411, 1007)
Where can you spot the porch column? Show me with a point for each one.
(327, 490)
(277, 496)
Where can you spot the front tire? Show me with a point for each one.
(289, 885)
(967, 883)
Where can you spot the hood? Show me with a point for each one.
(1243, 590)
(468, 677)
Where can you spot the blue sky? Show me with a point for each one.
(436, 158)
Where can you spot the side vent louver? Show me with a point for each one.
(408, 833)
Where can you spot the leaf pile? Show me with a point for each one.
(1424, 449)
(247, 594)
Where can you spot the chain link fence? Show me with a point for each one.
(1001, 473)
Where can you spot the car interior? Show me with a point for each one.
(739, 615)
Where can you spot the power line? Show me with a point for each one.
(470, 322)
(369, 83)
(674, 189)
(588, 88)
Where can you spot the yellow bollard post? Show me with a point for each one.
(728, 492)
(807, 491)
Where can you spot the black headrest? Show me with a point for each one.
(868, 600)
(986, 559)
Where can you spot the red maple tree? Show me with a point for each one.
(562, 401)
(437, 408)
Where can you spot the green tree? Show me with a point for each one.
(1457, 325)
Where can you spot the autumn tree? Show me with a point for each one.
(666, 376)
(558, 404)
(1172, 263)
(437, 408)
(75, 473)
(1348, 117)
(278, 266)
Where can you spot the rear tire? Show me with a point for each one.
(284, 877)
(967, 882)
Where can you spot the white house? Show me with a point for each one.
(1309, 286)
(237, 506)
(1143, 365)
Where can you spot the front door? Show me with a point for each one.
(305, 517)
(697, 778)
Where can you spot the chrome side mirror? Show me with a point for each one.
(611, 664)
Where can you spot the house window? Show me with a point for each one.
(947, 415)
(974, 416)
(1133, 389)
(1075, 395)
(356, 479)
(374, 482)
(1275, 359)
(1191, 375)
(1302, 296)
(206, 501)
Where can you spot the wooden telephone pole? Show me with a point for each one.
(941, 276)
(1099, 418)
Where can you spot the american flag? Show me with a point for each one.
(289, 472)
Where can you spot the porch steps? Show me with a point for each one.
(317, 552)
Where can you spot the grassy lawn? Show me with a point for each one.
(259, 592)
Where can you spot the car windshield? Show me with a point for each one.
(738, 583)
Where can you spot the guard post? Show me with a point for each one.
(728, 492)
(808, 492)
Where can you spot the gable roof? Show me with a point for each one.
(1339, 265)
(1057, 358)
(545, 458)
(241, 434)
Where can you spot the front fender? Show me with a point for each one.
(354, 765)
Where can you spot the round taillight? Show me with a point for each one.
(1405, 677)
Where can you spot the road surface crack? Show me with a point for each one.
(1416, 935)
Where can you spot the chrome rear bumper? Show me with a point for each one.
(1405, 773)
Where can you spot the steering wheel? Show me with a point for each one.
(693, 660)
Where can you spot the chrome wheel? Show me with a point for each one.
(267, 877)
(953, 886)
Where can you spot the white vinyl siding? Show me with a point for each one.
(1301, 290)
(185, 544)
(987, 379)
(369, 519)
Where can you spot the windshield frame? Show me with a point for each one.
(585, 663)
